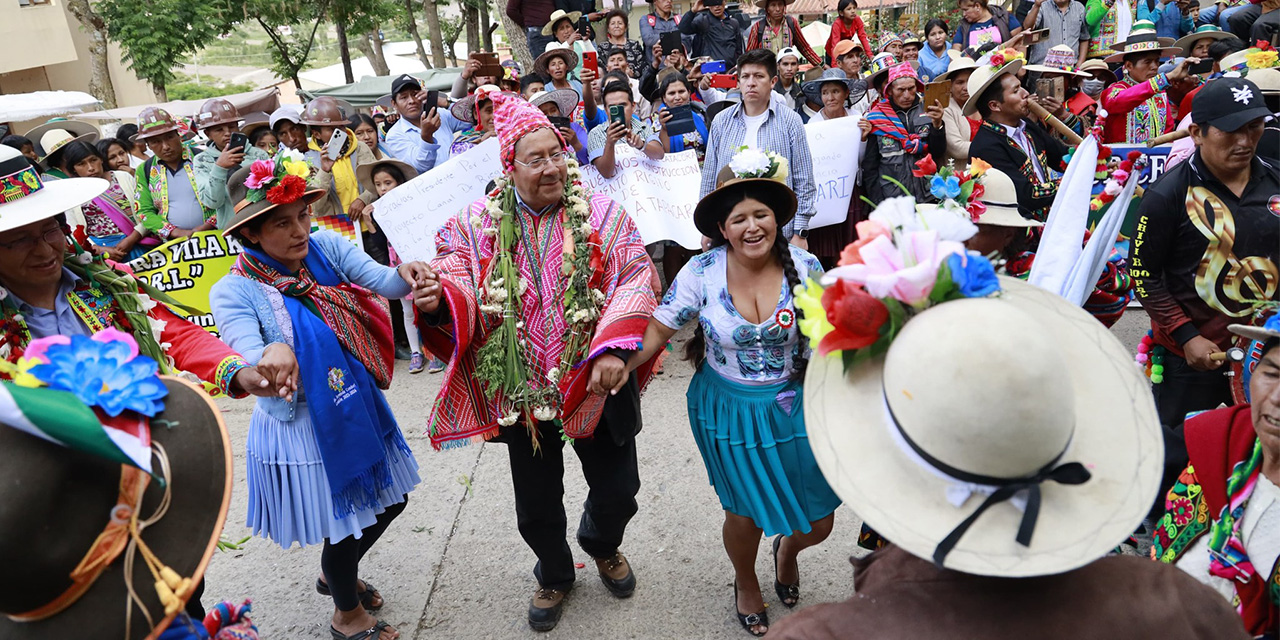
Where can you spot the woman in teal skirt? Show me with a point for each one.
(746, 399)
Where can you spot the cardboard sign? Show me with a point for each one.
(186, 268)
(835, 146)
(413, 212)
(659, 195)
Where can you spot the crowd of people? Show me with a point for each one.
(1006, 456)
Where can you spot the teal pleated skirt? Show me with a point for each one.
(756, 450)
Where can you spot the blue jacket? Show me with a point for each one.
(251, 315)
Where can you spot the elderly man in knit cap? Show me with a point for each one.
(543, 292)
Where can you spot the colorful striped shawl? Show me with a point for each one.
(462, 412)
(885, 122)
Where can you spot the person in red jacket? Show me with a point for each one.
(779, 31)
(1138, 106)
(847, 26)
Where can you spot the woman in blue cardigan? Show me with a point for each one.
(327, 462)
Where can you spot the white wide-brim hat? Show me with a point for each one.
(1002, 387)
(25, 198)
(981, 78)
(1000, 197)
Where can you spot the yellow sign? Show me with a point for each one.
(186, 268)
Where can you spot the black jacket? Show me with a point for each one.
(994, 146)
(885, 158)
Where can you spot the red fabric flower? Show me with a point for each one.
(1133, 156)
(925, 167)
(975, 209)
(856, 316)
(291, 188)
(978, 191)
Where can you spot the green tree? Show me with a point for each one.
(155, 34)
(291, 27)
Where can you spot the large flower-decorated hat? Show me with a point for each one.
(972, 419)
(267, 184)
(761, 172)
(999, 64)
(141, 467)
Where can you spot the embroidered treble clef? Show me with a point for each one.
(1252, 278)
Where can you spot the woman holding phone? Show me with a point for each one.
(676, 91)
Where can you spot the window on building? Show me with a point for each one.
(28, 3)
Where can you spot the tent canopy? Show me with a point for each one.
(267, 100)
(43, 104)
(366, 91)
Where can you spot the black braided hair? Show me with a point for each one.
(782, 250)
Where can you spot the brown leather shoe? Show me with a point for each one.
(617, 576)
(545, 608)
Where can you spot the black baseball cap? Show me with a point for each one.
(403, 82)
(1228, 104)
(711, 3)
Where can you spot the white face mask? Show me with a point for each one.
(1093, 87)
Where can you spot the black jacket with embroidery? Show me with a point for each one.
(995, 146)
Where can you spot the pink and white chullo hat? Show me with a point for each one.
(513, 119)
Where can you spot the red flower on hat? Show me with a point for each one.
(855, 316)
(925, 167)
(291, 188)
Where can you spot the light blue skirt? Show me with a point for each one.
(754, 444)
(289, 496)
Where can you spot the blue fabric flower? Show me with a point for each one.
(943, 188)
(973, 275)
(106, 375)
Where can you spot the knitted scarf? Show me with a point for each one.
(1228, 558)
(885, 122)
(337, 352)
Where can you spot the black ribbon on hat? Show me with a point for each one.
(1071, 473)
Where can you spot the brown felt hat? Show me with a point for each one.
(58, 500)
(716, 205)
(245, 210)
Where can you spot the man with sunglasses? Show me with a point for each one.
(543, 292)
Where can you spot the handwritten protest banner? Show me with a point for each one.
(186, 268)
(659, 195)
(411, 213)
(835, 146)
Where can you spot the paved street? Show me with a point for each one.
(453, 565)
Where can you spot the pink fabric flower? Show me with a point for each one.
(867, 230)
(35, 350)
(906, 272)
(260, 173)
(113, 334)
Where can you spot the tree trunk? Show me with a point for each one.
(370, 44)
(412, 26)
(486, 32)
(162, 95)
(433, 31)
(471, 18)
(519, 43)
(100, 84)
(343, 50)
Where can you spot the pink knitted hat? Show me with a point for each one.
(513, 119)
(902, 70)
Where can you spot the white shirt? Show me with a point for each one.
(1260, 528)
(753, 128)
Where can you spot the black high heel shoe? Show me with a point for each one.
(783, 590)
(759, 619)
